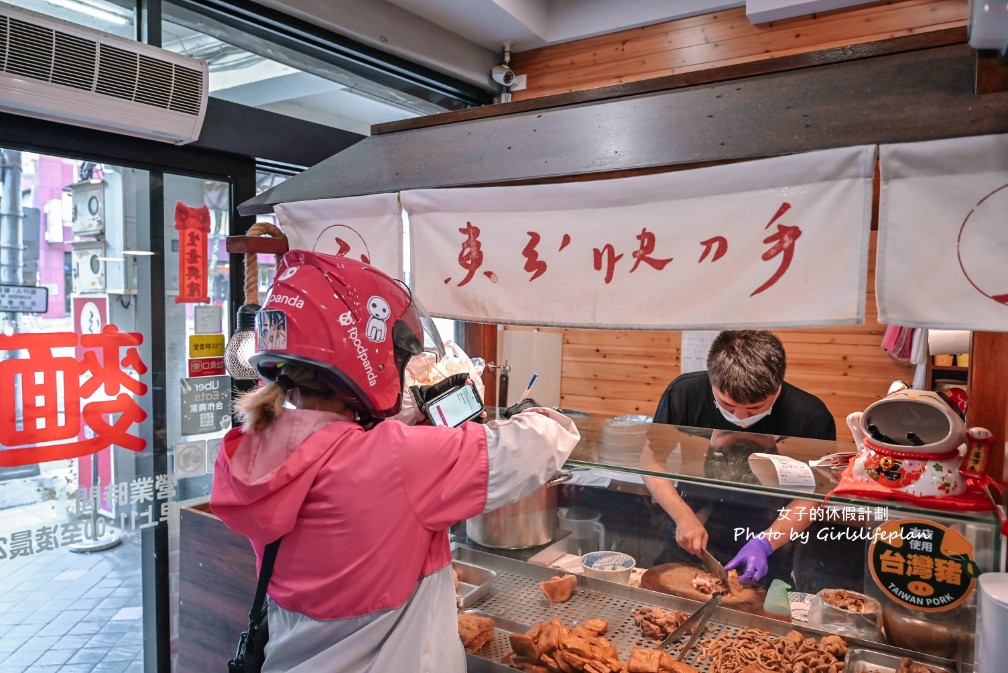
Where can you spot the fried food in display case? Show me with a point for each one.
(475, 631)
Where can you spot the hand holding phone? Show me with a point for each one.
(454, 407)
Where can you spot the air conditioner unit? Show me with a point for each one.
(59, 71)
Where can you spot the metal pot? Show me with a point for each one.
(529, 522)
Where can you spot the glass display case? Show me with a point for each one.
(894, 579)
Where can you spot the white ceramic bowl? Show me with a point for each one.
(612, 566)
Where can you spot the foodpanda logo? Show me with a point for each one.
(287, 274)
(346, 319)
(362, 355)
(295, 302)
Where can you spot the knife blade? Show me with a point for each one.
(715, 568)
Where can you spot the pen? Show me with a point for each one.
(528, 387)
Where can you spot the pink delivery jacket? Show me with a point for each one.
(364, 517)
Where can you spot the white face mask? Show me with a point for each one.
(743, 422)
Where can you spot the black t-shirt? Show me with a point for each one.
(689, 401)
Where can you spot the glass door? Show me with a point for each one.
(113, 298)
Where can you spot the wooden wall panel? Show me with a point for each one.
(720, 39)
(610, 373)
(217, 583)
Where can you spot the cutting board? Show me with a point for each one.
(677, 579)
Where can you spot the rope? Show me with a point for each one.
(252, 262)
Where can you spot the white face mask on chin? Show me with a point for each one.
(743, 422)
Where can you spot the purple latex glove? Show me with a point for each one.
(754, 555)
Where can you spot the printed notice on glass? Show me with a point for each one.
(773, 469)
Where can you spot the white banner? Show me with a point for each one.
(365, 228)
(943, 234)
(778, 242)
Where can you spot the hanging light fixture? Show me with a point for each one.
(242, 344)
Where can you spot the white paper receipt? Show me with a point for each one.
(787, 471)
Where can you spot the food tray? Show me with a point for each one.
(515, 602)
(474, 583)
(871, 661)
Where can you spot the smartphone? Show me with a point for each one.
(455, 407)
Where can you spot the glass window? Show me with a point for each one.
(84, 480)
(75, 425)
(263, 75)
(252, 71)
(108, 16)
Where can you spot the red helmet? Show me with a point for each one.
(349, 320)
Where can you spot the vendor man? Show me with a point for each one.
(744, 387)
(743, 390)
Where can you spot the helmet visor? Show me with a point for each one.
(432, 338)
(422, 334)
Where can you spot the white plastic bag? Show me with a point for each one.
(424, 370)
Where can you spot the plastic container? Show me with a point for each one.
(864, 623)
(991, 650)
(777, 602)
(587, 531)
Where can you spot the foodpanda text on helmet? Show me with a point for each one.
(296, 302)
(363, 356)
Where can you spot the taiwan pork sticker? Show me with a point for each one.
(923, 565)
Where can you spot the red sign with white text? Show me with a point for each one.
(206, 367)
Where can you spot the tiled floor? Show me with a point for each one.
(66, 612)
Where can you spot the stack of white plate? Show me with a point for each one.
(623, 439)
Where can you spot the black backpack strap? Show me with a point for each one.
(269, 556)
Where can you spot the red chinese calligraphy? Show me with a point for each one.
(643, 253)
(533, 264)
(40, 420)
(719, 244)
(782, 243)
(348, 241)
(44, 379)
(194, 226)
(611, 258)
(106, 369)
(470, 257)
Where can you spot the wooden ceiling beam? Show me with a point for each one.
(905, 97)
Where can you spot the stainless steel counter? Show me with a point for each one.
(516, 603)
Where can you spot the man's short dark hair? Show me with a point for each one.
(746, 365)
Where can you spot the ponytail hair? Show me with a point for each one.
(258, 409)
